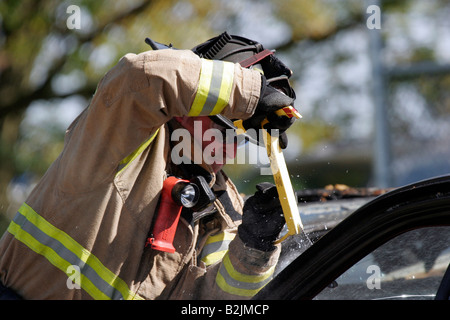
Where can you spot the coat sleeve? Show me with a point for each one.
(144, 91)
(230, 271)
(166, 83)
(139, 95)
(241, 273)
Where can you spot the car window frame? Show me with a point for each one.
(422, 204)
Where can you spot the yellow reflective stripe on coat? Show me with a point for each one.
(216, 247)
(214, 88)
(62, 251)
(127, 160)
(232, 281)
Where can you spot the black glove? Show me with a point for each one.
(262, 219)
(280, 123)
(271, 100)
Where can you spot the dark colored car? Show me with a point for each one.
(394, 246)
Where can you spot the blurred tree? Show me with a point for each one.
(43, 62)
(42, 59)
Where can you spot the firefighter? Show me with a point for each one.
(82, 232)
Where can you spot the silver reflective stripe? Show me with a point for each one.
(214, 88)
(236, 283)
(67, 255)
(62, 251)
(214, 247)
(242, 284)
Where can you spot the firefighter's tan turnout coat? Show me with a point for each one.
(81, 233)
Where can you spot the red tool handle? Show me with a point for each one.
(166, 222)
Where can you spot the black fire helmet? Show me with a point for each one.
(249, 54)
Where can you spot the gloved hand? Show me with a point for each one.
(262, 218)
(271, 99)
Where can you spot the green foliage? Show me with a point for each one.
(307, 19)
(39, 54)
